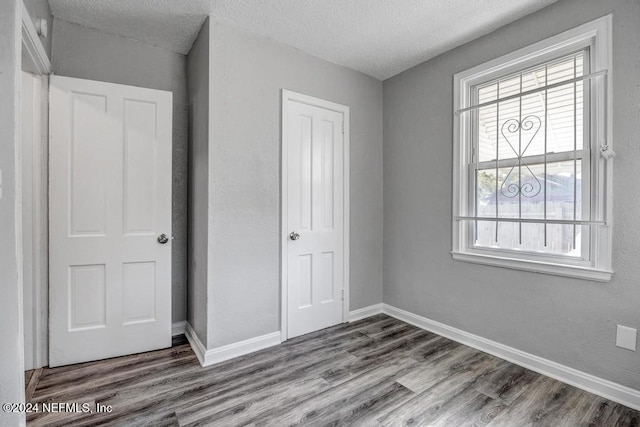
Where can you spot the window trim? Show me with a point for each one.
(597, 36)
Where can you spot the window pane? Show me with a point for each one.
(565, 112)
(520, 192)
(559, 238)
(520, 127)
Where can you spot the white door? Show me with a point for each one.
(109, 201)
(314, 241)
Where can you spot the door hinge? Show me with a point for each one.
(343, 127)
(343, 295)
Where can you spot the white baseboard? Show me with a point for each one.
(363, 313)
(226, 352)
(178, 328)
(196, 345)
(605, 388)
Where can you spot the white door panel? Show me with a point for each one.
(110, 198)
(315, 211)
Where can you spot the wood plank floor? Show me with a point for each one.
(374, 372)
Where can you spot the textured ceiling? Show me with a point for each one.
(377, 37)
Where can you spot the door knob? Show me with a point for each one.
(162, 239)
(294, 235)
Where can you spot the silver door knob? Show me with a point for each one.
(294, 235)
(162, 239)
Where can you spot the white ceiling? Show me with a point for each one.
(377, 37)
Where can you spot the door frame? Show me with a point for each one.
(287, 96)
(36, 62)
(36, 166)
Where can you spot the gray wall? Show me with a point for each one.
(11, 354)
(198, 96)
(88, 54)
(40, 9)
(247, 74)
(569, 321)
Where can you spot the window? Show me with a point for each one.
(532, 157)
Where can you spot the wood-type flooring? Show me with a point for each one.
(374, 372)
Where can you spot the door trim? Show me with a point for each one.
(287, 96)
(38, 60)
(38, 64)
(39, 286)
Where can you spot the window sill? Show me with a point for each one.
(535, 266)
